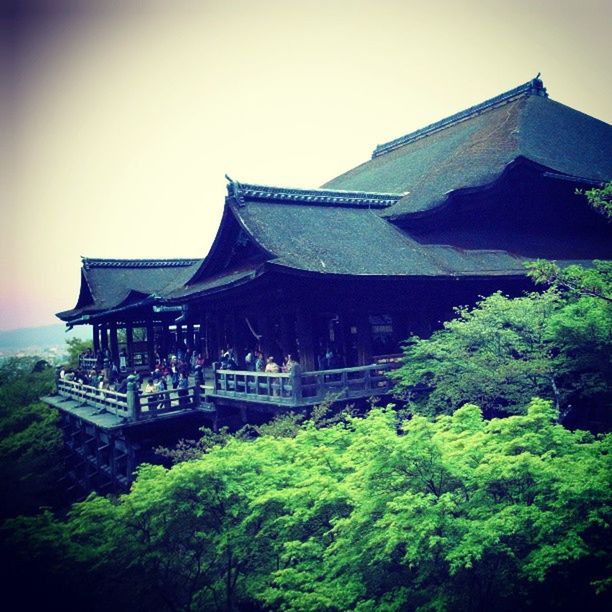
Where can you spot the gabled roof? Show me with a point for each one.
(354, 240)
(472, 148)
(326, 232)
(107, 284)
(336, 233)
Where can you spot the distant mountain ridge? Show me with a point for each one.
(45, 336)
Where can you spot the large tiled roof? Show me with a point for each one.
(352, 240)
(327, 235)
(111, 283)
(472, 149)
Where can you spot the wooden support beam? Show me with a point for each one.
(343, 341)
(150, 343)
(305, 331)
(179, 336)
(164, 340)
(129, 340)
(114, 342)
(364, 339)
(189, 333)
(96, 337)
(103, 337)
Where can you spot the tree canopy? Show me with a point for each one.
(503, 351)
(374, 513)
(30, 441)
(600, 198)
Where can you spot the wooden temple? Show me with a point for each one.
(435, 219)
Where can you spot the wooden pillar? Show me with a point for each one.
(232, 335)
(114, 343)
(96, 337)
(305, 339)
(179, 336)
(201, 336)
(343, 340)
(241, 342)
(218, 336)
(364, 339)
(190, 342)
(162, 340)
(150, 344)
(103, 337)
(129, 340)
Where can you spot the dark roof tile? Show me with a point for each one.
(109, 283)
(473, 148)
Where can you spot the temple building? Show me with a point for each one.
(435, 219)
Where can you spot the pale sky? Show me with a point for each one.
(118, 124)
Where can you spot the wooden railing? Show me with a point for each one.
(303, 388)
(111, 401)
(347, 383)
(294, 389)
(154, 404)
(133, 406)
(255, 386)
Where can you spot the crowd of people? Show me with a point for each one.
(172, 372)
(254, 361)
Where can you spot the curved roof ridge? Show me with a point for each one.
(242, 192)
(92, 262)
(533, 87)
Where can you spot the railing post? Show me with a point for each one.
(198, 375)
(215, 367)
(320, 378)
(344, 383)
(133, 401)
(296, 383)
(196, 395)
(367, 381)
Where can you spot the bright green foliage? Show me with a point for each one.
(76, 346)
(459, 513)
(601, 199)
(22, 381)
(502, 352)
(498, 354)
(595, 281)
(30, 441)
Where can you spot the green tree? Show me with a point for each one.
(504, 351)
(460, 513)
(497, 354)
(577, 281)
(600, 198)
(76, 346)
(30, 441)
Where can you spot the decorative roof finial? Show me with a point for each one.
(537, 86)
(234, 192)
